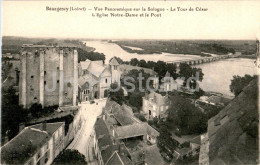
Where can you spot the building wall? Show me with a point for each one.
(44, 71)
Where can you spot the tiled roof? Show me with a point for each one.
(113, 61)
(117, 159)
(121, 113)
(133, 130)
(50, 127)
(231, 132)
(84, 64)
(27, 143)
(94, 67)
(153, 156)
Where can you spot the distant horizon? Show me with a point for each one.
(85, 38)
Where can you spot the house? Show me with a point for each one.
(155, 105)
(168, 83)
(95, 79)
(37, 144)
(118, 130)
(186, 146)
(106, 150)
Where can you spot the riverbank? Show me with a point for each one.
(185, 47)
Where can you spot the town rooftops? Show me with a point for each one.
(96, 68)
(106, 145)
(134, 130)
(157, 98)
(27, 143)
(122, 114)
(117, 159)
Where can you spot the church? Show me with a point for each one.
(95, 79)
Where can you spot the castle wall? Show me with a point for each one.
(68, 66)
(43, 72)
(51, 76)
(32, 77)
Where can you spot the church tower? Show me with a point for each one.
(115, 73)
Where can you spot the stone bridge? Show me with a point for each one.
(202, 60)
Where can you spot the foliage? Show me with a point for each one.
(238, 83)
(155, 120)
(150, 122)
(134, 74)
(159, 67)
(12, 113)
(68, 157)
(136, 100)
(186, 117)
(36, 110)
(140, 117)
(116, 95)
(165, 141)
(83, 55)
(187, 72)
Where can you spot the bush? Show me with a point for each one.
(36, 110)
(141, 117)
(150, 122)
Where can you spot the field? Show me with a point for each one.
(190, 47)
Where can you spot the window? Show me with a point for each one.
(35, 98)
(58, 81)
(45, 72)
(31, 76)
(106, 80)
(115, 67)
(58, 68)
(44, 82)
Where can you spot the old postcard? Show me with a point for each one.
(130, 82)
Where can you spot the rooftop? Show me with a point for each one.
(157, 98)
(27, 143)
(233, 131)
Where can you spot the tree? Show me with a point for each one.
(116, 93)
(185, 116)
(36, 110)
(134, 62)
(12, 113)
(93, 56)
(187, 72)
(136, 100)
(68, 157)
(134, 74)
(238, 83)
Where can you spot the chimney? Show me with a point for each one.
(44, 126)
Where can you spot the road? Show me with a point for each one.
(84, 137)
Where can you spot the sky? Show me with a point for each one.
(223, 20)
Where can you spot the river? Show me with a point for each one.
(217, 75)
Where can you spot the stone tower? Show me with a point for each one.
(48, 76)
